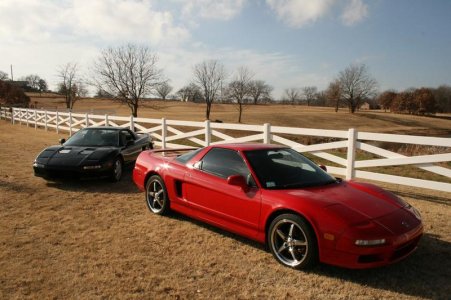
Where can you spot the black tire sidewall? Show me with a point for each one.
(165, 207)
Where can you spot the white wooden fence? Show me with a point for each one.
(166, 134)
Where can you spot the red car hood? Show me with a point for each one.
(368, 200)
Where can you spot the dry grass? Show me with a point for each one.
(94, 239)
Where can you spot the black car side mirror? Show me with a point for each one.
(62, 141)
(323, 167)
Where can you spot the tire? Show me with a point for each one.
(116, 172)
(157, 196)
(292, 242)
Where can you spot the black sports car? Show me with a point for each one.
(92, 152)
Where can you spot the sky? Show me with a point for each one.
(287, 43)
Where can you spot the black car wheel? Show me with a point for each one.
(116, 172)
(157, 196)
(292, 241)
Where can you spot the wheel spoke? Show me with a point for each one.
(290, 233)
(299, 243)
(291, 250)
(281, 234)
(283, 247)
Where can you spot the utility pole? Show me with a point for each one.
(12, 77)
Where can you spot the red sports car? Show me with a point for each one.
(275, 195)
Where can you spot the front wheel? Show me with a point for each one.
(157, 196)
(292, 241)
(116, 172)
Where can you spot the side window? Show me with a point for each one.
(224, 163)
(126, 136)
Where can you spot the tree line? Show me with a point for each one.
(130, 73)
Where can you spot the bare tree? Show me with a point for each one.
(260, 90)
(209, 75)
(32, 81)
(292, 95)
(128, 72)
(43, 87)
(310, 94)
(163, 90)
(68, 75)
(240, 88)
(386, 99)
(190, 93)
(333, 94)
(356, 85)
(3, 75)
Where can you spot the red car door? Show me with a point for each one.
(215, 201)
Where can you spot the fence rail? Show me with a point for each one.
(176, 134)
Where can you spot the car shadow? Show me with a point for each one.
(98, 185)
(424, 274)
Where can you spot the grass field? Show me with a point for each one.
(94, 239)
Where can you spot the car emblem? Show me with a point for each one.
(405, 224)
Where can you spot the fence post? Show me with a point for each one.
(350, 169)
(12, 116)
(163, 133)
(106, 120)
(87, 120)
(45, 120)
(267, 133)
(57, 122)
(70, 123)
(35, 120)
(132, 124)
(207, 133)
(26, 116)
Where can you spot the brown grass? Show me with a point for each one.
(94, 239)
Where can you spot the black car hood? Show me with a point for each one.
(70, 156)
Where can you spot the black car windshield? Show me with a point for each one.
(94, 137)
(286, 169)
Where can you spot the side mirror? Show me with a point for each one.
(238, 180)
(323, 167)
(62, 141)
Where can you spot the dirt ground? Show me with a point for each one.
(95, 239)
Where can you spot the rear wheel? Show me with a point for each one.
(292, 241)
(157, 196)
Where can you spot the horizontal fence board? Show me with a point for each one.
(406, 139)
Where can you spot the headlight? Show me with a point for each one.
(414, 211)
(370, 242)
(92, 167)
(38, 165)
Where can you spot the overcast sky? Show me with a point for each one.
(287, 43)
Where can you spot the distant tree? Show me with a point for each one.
(404, 102)
(163, 90)
(102, 94)
(68, 75)
(128, 72)
(259, 90)
(42, 86)
(12, 95)
(356, 85)
(3, 75)
(333, 94)
(209, 76)
(385, 99)
(310, 94)
(442, 96)
(32, 81)
(190, 93)
(239, 89)
(292, 95)
(425, 101)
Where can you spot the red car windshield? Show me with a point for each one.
(286, 169)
